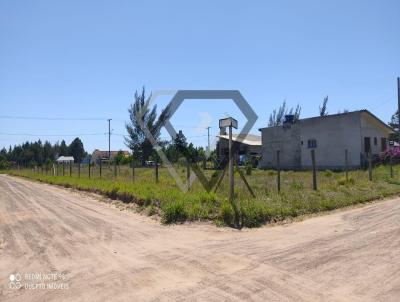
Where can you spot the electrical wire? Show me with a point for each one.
(12, 117)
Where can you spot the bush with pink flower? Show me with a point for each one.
(393, 152)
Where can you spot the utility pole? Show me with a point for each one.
(109, 139)
(231, 123)
(398, 104)
(208, 139)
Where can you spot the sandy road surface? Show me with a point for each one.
(109, 255)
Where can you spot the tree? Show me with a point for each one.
(394, 121)
(180, 142)
(48, 151)
(141, 115)
(63, 151)
(76, 150)
(277, 117)
(322, 108)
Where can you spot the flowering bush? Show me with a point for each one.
(392, 152)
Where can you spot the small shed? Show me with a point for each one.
(65, 159)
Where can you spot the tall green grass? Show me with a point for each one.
(296, 197)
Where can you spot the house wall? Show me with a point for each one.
(333, 135)
(284, 139)
(371, 128)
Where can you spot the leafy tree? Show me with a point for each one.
(48, 151)
(322, 108)
(140, 115)
(180, 142)
(35, 153)
(76, 150)
(277, 117)
(122, 159)
(63, 151)
(394, 121)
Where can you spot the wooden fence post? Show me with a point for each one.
(278, 169)
(115, 169)
(89, 169)
(100, 166)
(230, 168)
(188, 174)
(156, 170)
(133, 170)
(70, 169)
(63, 165)
(79, 170)
(314, 170)
(391, 166)
(369, 166)
(346, 164)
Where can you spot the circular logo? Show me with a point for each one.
(12, 277)
(18, 277)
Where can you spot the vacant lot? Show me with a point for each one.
(106, 254)
(165, 198)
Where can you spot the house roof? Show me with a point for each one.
(104, 154)
(345, 113)
(247, 139)
(65, 158)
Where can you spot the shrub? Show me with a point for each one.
(328, 173)
(296, 185)
(4, 164)
(227, 214)
(271, 172)
(253, 213)
(173, 212)
(393, 152)
(113, 193)
(342, 181)
(248, 168)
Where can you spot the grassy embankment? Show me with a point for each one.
(296, 197)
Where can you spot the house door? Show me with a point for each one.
(367, 144)
(383, 144)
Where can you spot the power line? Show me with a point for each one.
(382, 103)
(33, 134)
(109, 138)
(12, 117)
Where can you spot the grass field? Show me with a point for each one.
(173, 205)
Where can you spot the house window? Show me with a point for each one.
(375, 141)
(312, 143)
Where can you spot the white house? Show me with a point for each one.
(65, 159)
(360, 132)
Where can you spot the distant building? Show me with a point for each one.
(103, 155)
(86, 160)
(65, 159)
(359, 132)
(248, 147)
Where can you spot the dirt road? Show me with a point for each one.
(99, 253)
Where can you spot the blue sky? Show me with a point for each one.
(85, 59)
